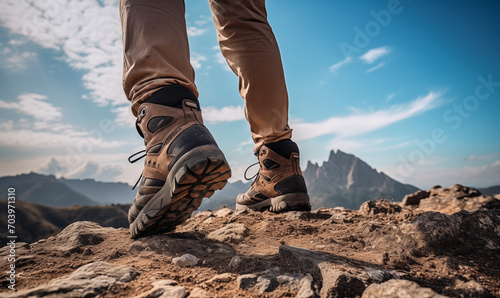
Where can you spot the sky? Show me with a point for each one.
(412, 87)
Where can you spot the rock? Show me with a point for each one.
(79, 234)
(269, 280)
(306, 289)
(87, 281)
(233, 233)
(206, 213)
(414, 198)
(21, 249)
(246, 281)
(451, 200)
(186, 260)
(396, 288)
(339, 276)
(223, 212)
(462, 232)
(379, 206)
(198, 293)
(256, 283)
(234, 264)
(224, 277)
(164, 289)
(471, 288)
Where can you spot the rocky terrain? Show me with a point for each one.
(384, 249)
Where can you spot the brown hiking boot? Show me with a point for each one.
(279, 185)
(183, 165)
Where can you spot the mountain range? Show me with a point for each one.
(343, 180)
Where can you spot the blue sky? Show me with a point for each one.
(410, 87)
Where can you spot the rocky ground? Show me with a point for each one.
(385, 249)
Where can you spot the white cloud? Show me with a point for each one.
(34, 105)
(375, 67)
(334, 68)
(375, 54)
(87, 32)
(124, 116)
(360, 123)
(225, 114)
(426, 177)
(194, 31)
(46, 130)
(221, 60)
(480, 157)
(16, 60)
(391, 96)
(196, 60)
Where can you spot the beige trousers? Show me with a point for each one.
(156, 54)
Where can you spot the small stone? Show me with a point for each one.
(164, 289)
(306, 287)
(185, 260)
(246, 281)
(223, 212)
(234, 264)
(224, 277)
(399, 288)
(87, 252)
(209, 220)
(198, 293)
(415, 198)
(234, 233)
(204, 213)
(358, 244)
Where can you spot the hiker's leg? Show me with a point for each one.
(156, 50)
(250, 48)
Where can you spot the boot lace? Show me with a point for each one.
(132, 158)
(253, 177)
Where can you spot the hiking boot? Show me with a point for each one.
(183, 165)
(279, 185)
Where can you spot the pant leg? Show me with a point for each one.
(156, 49)
(250, 48)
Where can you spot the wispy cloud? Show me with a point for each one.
(391, 96)
(425, 177)
(86, 32)
(359, 123)
(481, 157)
(45, 129)
(338, 65)
(374, 54)
(197, 59)
(33, 105)
(15, 60)
(376, 67)
(195, 31)
(225, 114)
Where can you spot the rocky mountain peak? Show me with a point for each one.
(345, 180)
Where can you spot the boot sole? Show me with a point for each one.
(197, 174)
(283, 203)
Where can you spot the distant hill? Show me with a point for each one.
(102, 192)
(493, 190)
(34, 221)
(50, 191)
(42, 189)
(347, 181)
(226, 196)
